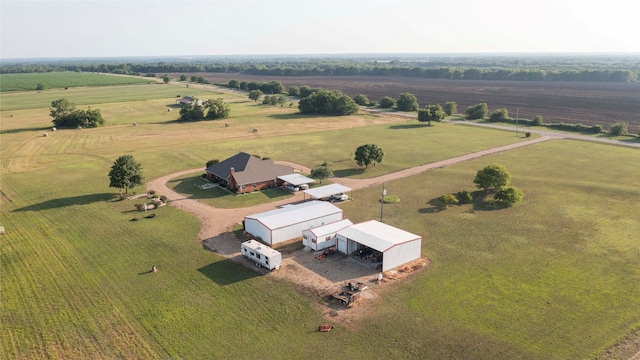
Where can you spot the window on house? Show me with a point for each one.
(314, 240)
(255, 184)
(266, 261)
(252, 254)
(258, 256)
(327, 238)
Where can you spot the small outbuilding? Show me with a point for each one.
(324, 236)
(288, 222)
(295, 180)
(263, 255)
(392, 247)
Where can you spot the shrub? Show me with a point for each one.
(500, 115)
(151, 192)
(387, 102)
(464, 197)
(508, 195)
(361, 99)
(527, 134)
(537, 121)
(619, 128)
(478, 111)
(163, 198)
(447, 199)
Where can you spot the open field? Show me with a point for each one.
(569, 102)
(551, 278)
(60, 80)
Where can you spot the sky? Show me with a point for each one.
(106, 28)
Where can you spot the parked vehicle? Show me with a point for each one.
(291, 188)
(340, 197)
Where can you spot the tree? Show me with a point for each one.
(500, 115)
(450, 108)
(407, 102)
(509, 195)
(387, 102)
(537, 121)
(478, 111)
(492, 176)
(166, 78)
(212, 162)
(368, 154)
(255, 95)
(619, 128)
(40, 86)
(234, 84)
(65, 115)
(125, 173)
(218, 109)
(321, 172)
(61, 108)
(183, 77)
(361, 99)
(294, 91)
(327, 102)
(431, 113)
(448, 199)
(191, 112)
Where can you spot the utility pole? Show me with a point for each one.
(384, 193)
(517, 121)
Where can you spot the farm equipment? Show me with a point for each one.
(358, 286)
(325, 328)
(346, 297)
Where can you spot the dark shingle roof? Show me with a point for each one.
(248, 169)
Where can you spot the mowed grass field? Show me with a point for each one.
(553, 278)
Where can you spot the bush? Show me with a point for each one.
(500, 115)
(478, 111)
(508, 195)
(163, 198)
(527, 134)
(387, 102)
(151, 192)
(619, 128)
(448, 199)
(537, 121)
(464, 197)
(361, 99)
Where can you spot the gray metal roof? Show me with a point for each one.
(296, 179)
(326, 191)
(330, 227)
(294, 214)
(377, 235)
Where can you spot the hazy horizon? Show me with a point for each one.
(52, 29)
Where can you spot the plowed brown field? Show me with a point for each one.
(568, 102)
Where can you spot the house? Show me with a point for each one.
(261, 254)
(324, 236)
(288, 222)
(390, 246)
(245, 173)
(190, 100)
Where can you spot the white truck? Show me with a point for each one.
(261, 254)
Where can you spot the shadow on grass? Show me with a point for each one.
(15, 131)
(347, 172)
(226, 272)
(408, 126)
(70, 201)
(296, 116)
(478, 204)
(435, 206)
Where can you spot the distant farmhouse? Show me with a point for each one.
(245, 173)
(189, 100)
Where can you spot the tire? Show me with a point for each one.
(277, 267)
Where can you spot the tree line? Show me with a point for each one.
(591, 69)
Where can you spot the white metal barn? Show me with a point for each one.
(397, 246)
(261, 254)
(322, 237)
(288, 222)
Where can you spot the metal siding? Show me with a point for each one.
(295, 230)
(342, 244)
(257, 229)
(401, 254)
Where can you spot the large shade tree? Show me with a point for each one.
(125, 173)
(407, 102)
(368, 154)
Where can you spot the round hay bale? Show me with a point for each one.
(168, 110)
(53, 129)
(45, 134)
(226, 124)
(2, 231)
(255, 130)
(134, 124)
(79, 127)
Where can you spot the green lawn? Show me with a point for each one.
(552, 278)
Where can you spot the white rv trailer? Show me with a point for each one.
(263, 255)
